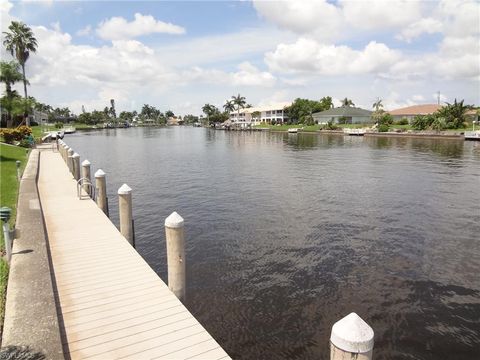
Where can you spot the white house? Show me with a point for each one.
(248, 117)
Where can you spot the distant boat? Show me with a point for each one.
(69, 130)
(354, 132)
(53, 135)
(472, 135)
(293, 130)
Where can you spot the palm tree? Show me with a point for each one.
(347, 102)
(20, 42)
(209, 110)
(229, 107)
(9, 74)
(377, 105)
(239, 101)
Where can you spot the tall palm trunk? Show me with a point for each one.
(26, 119)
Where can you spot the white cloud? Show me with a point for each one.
(222, 47)
(303, 17)
(327, 21)
(87, 30)
(307, 55)
(118, 28)
(124, 70)
(460, 17)
(414, 30)
(249, 75)
(380, 14)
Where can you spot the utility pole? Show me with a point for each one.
(438, 97)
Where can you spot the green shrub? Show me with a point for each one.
(17, 134)
(58, 125)
(423, 122)
(383, 128)
(403, 121)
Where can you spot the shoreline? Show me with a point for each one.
(382, 134)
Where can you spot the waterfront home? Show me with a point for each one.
(410, 112)
(343, 114)
(174, 121)
(271, 114)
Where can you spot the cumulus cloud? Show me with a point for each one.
(249, 75)
(324, 20)
(303, 17)
(460, 17)
(122, 70)
(422, 26)
(118, 28)
(380, 14)
(307, 55)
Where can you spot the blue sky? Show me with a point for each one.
(181, 55)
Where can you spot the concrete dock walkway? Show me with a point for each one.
(111, 304)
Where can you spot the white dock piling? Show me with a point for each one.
(86, 175)
(175, 236)
(125, 212)
(351, 338)
(76, 166)
(101, 190)
(70, 160)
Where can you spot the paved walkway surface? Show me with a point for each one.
(30, 323)
(112, 304)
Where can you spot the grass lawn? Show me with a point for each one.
(8, 197)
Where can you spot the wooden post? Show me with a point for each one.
(175, 237)
(76, 166)
(351, 338)
(70, 160)
(86, 175)
(125, 212)
(101, 186)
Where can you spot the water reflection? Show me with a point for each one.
(287, 234)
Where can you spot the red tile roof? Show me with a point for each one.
(416, 110)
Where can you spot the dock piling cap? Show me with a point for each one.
(174, 221)
(352, 334)
(76, 155)
(85, 162)
(124, 190)
(99, 173)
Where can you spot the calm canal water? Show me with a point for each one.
(289, 233)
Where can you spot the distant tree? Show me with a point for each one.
(20, 41)
(127, 116)
(169, 113)
(347, 102)
(326, 102)
(256, 115)
(209, 110)
(229, 106)
(454, 114)
(377, 105)
(9, 75)
(239, 101)
(301, 110)
(190, 119)
(112, 111)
